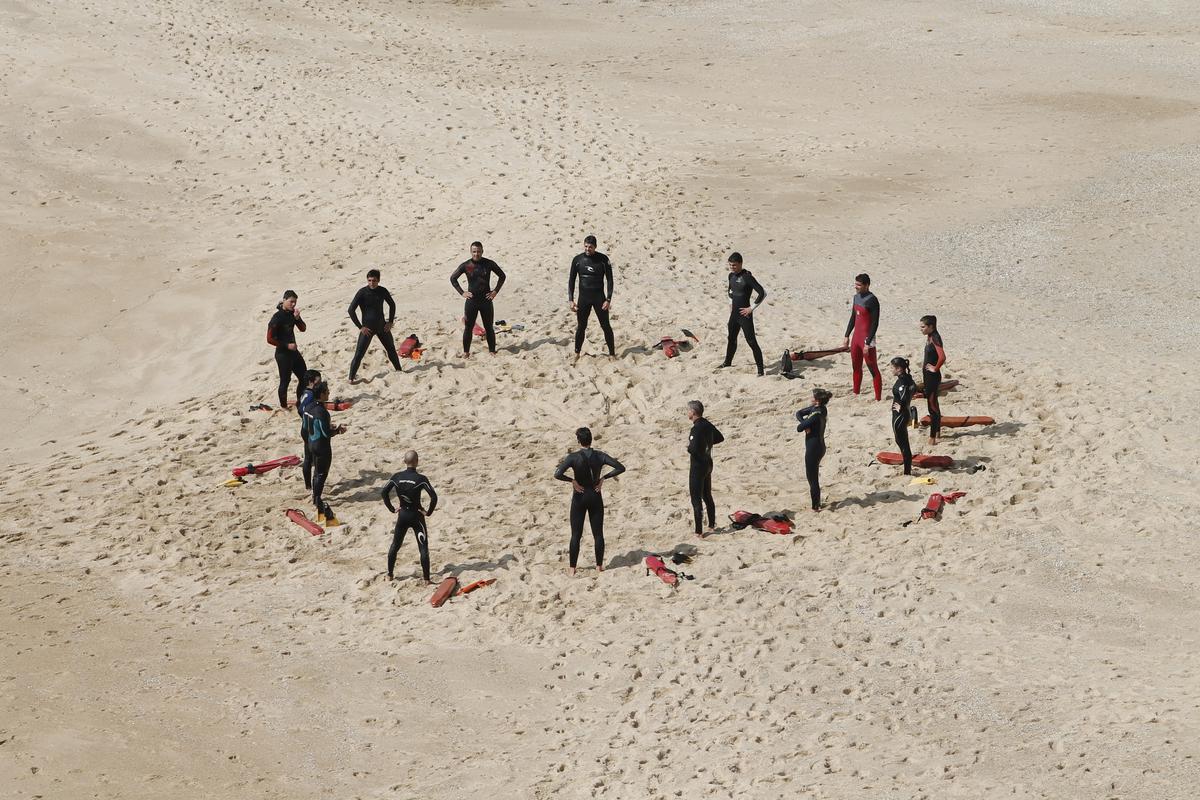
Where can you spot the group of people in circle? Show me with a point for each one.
(592, 271)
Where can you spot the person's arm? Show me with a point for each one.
(850, 324)
(571, 280)
(391, 304)
(617, 467)
(717, 438)
(300, 324)
(355, 304)
(807, 421)
(695, 445)
(608, 279)
(873, 308)
(500, 274)
(432, 496)
(941, 354)
(560, 474)
(271, 337)
(386, 494)
(458, 273)
(758, 290)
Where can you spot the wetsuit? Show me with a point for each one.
(586, 465)
(370, 302)
(320, 434)
(306, 400)
(864, 322)
(700, 444)
(595, 289)
(281, 331)
(902, 395)
(931, 368)
(741, 285)
(479, 284)
(812, 421)
(408, 486)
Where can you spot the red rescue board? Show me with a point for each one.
(942, 389)
(960, 422)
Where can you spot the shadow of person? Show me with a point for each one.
(481, 566)
(874, 499)
(526, 346)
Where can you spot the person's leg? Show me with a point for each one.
(488, 311)
(933, 383)
(606, 326)
(307, 464)
(596, 518)
(812, 471)
(360, 350)
(577, 510)
(423, 544)
(283, 361)
(710, 504)
(696, 492)
(752, 340)
(581, 323)
(389, 347)
(298, 369)
(856, 361)
(870, 355)
(900, 428)
(470, 314)
(397, 540)
(731, 344)
(321, 471)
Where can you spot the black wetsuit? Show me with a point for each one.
(595, 289)
(479, 284)
(902, 395)
(586, 465)
(812, 421)
(408, 486)
(741, 285)
(281, 331)
(700, 444)
(320, 434)
(306, 400)
(370, 302)
(935, 356)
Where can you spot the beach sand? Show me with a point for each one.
(1025, 170)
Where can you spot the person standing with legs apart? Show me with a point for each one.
(741, 316)
(586, 465)
(700, 444)
(281, 334)
(812, 422)
(931, 368)
(370, 299)
(320, 439)
(595, 275)
(478, 295)
(903, 392)
(860, 333)
(408, 486)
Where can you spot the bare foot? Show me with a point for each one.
(599, 568)
(464, 355)
(699, 535)
(571, 570)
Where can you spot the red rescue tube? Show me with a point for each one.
(297, 516)
(266, 466)
(960, 422)
(920, 460)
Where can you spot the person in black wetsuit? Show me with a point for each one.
(408, 486)
(281, 334)
(320, 435)
(478, 295)
(700, 444)
(586, 466)
(307, 398)
(902, 396)
(595, 276)
(931, 369)
(741, 316)
(370, 299)
(812, 422)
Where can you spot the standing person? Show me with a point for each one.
(320, 438)
(281, 334)
(408, 486)
(478, 295)
(902, 396)
(307, 398)
(595, 293)
(860, 333)
(931, 368)
(370, 300)
(812, 422)
(700, 444)
(741, 315)
(586, 466)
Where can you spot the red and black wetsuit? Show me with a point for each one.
(281, 331)
(595, 289)
(741, 285)
(864, 322)
(370, 302)
(931, 368)
(479, 284)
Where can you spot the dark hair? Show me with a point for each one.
(373, 273)
(321, 388)
(697, 406)
(290, 293)
(735, 257)
(822, 396)
(477, 244)
(589, 239)
(312, 375)
(930, 320)
(902, 363)
(863, 278)
(584, 436)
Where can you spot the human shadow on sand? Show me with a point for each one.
(874, 499)
(636, 557)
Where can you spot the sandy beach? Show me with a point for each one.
(1024, 169)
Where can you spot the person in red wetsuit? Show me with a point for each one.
(860, 333)
(935, 357)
